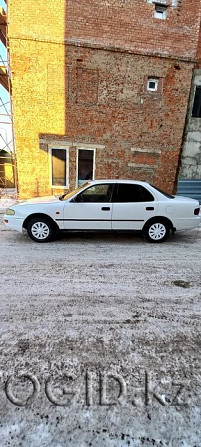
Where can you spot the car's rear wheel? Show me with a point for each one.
(40, 229)
(157, 231)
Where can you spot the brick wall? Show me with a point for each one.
(198, 56)
(141, 130)
(79, 74)
(38, 79)
(130, 24)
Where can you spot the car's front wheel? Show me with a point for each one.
(156, 231)
(40, 229)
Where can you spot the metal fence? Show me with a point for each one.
(189, 188)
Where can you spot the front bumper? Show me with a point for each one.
(13, 223)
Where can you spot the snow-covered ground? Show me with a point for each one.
(84, 306)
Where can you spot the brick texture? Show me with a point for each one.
(130, 24)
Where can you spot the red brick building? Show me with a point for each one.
(100, 89)
(189, 183)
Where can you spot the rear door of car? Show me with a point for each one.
(133, 206)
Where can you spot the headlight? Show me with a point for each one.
(10, 212)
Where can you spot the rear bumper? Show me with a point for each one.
(13, 223)
(187, 224)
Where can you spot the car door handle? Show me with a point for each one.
(149, 208)
(105, 208)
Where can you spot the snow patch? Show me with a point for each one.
(6, 203)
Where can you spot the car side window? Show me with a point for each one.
(132, 193)
(147, 196)
(96, 193)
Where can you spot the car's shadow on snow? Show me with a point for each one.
(99, 237)
(189, 237)
(181, 237)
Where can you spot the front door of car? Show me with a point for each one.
(133, 206)
(91, 209)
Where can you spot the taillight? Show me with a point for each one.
(196, 211)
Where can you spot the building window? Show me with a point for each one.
(160, 12)
(85, 164)
(196, 112)
(59, 167)
(152, 85)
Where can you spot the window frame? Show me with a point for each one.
(163, 8)
(66, 148)
(156, 80)
(77, 161)
(193, 114)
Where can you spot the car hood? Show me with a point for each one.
(47, 199)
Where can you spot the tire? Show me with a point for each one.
(156, 231)
(40, 229)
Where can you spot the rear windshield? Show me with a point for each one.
(163, 192)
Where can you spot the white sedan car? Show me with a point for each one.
(110, 205)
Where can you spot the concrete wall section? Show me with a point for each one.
(191, 152)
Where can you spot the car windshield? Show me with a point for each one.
(70, 194)
(163, 192)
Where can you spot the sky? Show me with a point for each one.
(5, 129)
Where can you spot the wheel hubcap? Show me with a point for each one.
(40, 230)
(157, 231)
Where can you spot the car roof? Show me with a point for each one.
(118, 181)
